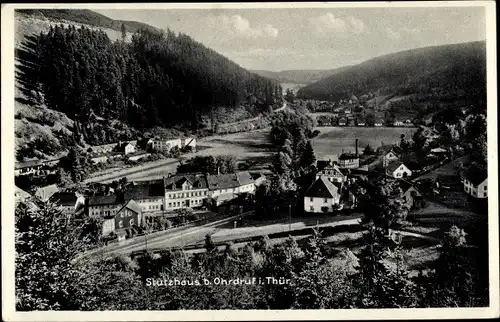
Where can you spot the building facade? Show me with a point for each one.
(185, 191)
(150, 195)
(348, 161)
(321, 197)
(331, 171)
(165, 144)
(475, 182)
(225, 187)
(398, 170)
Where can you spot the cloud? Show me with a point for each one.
(328, 24)
(238, 26)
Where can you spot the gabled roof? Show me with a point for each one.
(405, 186)
(229, 180)
(46, 192)
(476, 174)
(144, 191)
(197, 180)
(20, 193)
(391, 167)
(65, 198)
(132, 205)
(244, 178)
(103, 200)
(391, 148)
(322, 188)
(348, 156)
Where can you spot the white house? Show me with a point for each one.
(126, 148)
(165, 144)
(185, 191)
(378, 123)
(321, 196)
(397, 123)
(228, 186)
(476, 182)
(331, 171)
(397, 169)
(390, 153)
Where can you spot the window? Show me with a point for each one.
(312, 208)
(131, 222)
(169, 204)
(326, 200)
(120, 224)
(311, 199)
(485, 188)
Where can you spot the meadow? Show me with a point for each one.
(255, 151)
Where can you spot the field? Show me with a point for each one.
(333, 140)
(254, 149)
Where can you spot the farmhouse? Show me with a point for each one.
(229, 186)
(321, 196)
(390, 153)
(70, 202)
(330, 171)
(185, 190)
(150, 196)
(126, 216)
(476, 182)
(412, 197)
(125, 148)
(397, 169)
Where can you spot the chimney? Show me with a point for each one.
(357, 155)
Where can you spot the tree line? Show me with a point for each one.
(158, 79)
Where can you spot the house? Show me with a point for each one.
(475, 182)
(360, 122)
(412, 197)
(190, 143)
(125, 148)
(44, 193)
(438, 151)
(330, 171)
(103, 206)
(390, 153)
(348, 111)
(27, 167)
(150, 196)
(342, 122)
(348, 161)
(185, 190)
(397, 169)
(378, 123)
(126, 216)
(20, 195)
(70, 202)
(99, 159)
(228, 186)
(165, 144)
(321, 196)
(408, 123)
(397, 123)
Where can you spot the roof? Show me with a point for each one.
(394, 148)
(65, 198)
(438, 150)
(322, 188)
(46, 192)
(144, 191)
(194, 179)
(132, 205)
(229, 180)
(476, 174)
(348, 156)
(405, 186)
(21, 194)
(393, 166)
(103, 200)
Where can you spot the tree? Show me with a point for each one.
(308, 158)
(124, 32)
(63, 178)
(368, 150)
(209, 244)
(46, 243)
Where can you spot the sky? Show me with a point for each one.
(314, 38)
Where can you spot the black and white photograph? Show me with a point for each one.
(249, 161)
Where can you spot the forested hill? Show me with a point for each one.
(157, 79)
(85, 16)
(300, 76)
(449, 70)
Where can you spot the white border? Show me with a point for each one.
(7, 137)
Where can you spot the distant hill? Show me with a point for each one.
(85, 16)
(300, 76)
(444, 71)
